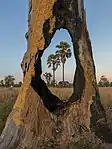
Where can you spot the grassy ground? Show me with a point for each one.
(106, 99)
(62, 93)
(8, 98)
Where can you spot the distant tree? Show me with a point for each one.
(100, 84)
(53, 83)
(106, 84)
(110, 84)
(9, 81)
(47, 76)
(64, 53)
(1, 83)
(54, 62)
(103, 82)
(66, 84)
(20, 84)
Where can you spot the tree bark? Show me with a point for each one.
(40, 120)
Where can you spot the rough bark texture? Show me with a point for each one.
(39, 119)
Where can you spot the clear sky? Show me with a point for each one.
(13, 26)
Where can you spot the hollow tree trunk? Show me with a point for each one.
(39, 119)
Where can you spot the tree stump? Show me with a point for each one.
(40, 120)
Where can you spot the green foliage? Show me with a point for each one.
(60, 56)
(103, 82)
(64, 52)
(18, 84)
(9, 80)
(54, 62)
(65, 84)
(2, 83)
(47, 76)
(110, 84)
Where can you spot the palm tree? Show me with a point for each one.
(53, 61)
(47, 76)
(64, 52)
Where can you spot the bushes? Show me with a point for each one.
(66, 84)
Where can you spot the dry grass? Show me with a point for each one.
(7, 100)
(106, 99)
(62, 93)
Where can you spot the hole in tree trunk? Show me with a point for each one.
(64, 88)
(58, 65)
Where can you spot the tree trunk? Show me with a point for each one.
(63, 73)
(40, 120)
(53, 76)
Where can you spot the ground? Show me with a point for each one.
(8, 97)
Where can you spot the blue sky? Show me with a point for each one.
(13, 25)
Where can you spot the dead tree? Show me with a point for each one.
(39, 118)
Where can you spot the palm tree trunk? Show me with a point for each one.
(54, 76)
(63, 74)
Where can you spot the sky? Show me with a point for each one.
(13, 26)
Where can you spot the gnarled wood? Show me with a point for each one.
(39, 119)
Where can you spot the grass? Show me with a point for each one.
(8, 98)
(62, 93)
(106, 99)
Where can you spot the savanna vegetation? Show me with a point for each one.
(54, 61)
(9, 81)
(63, 89)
